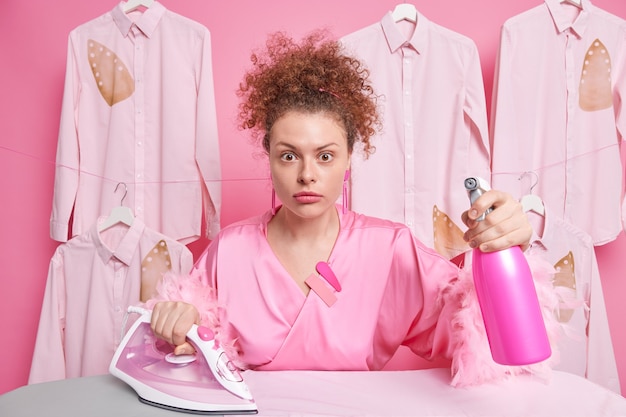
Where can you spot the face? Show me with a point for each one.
(308, 160)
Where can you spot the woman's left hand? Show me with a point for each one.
(505, 226)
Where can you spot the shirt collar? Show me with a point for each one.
(395, 38)
(127, 246)
(562, 20)
(547, 238)
(147, 22)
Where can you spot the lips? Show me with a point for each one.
(307, 197)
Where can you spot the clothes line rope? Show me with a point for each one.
(223, 180)
(36, 158)
(537, 170)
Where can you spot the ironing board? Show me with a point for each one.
(315, 393)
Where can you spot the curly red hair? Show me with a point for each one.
(311, 76)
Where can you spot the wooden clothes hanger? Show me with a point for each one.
(131, 5)
(404, 11)
(119, 214)
(530, 201)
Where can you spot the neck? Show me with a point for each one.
(302, 229)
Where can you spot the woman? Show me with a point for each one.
(311, 106)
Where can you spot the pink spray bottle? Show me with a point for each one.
(508, 299)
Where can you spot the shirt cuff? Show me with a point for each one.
(58, 231)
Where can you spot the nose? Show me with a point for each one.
(307, 172)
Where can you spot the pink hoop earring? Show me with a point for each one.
(344, 202)
(273, 202)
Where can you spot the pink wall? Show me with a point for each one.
(33, 41)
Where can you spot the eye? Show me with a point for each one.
(287, 157)
(326, 157)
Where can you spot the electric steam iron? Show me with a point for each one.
(204, 383)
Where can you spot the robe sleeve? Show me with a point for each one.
(198, 288)
(435, 302)
(472, 363)
(412, 309)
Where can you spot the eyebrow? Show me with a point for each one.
(319, 148)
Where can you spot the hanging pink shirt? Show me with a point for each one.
(560, 85)
(587, 349)
(434, 118)
(138, 108)
(92, 280)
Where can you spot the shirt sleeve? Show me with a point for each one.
(184, 262)
(619, 102)
(48, 362)
(475, 108)
(67, 157)
(207, 143)
(601, 365)
(620, 89)
(502, 119)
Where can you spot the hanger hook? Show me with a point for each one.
(125, 191)
(534, 183)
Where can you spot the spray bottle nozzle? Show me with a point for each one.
(476, 187)
(471, 183)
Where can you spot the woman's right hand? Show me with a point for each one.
(171, 320)
(506, 226)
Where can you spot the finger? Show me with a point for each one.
(510, 231)
(469, 222)
(156, 322)
(493, 225)
(502, 242)
(490, 199)
(171, 321)
(185, 349)
(175, 323)
(504, 227)
(179, 325)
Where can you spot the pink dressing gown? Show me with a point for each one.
(390, 291)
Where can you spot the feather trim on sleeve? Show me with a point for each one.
(191, 289)
(472, 363)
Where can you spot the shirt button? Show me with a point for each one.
(139, 143)
(118, 309)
